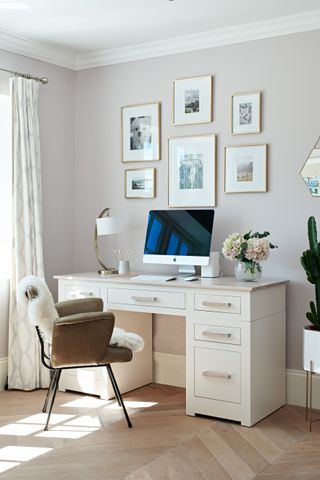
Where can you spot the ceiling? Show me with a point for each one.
(79, 30)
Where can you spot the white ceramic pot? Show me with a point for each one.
(311, 348)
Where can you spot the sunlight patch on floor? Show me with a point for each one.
(21, 454)
(86, 402)
(4, 466)
(67, 432)
(41, 418)
(114, 405)
(62, 426)
(130, 404)
(85, 421)
(19, 429)
(11, 456)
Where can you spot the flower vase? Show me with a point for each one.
(247, 271)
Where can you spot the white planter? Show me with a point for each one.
(311, 349)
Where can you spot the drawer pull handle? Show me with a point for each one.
(84, 294)
(144, 299)
(206, 303)
(216, 334)
(213, 374)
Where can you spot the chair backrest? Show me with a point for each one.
(80, 305)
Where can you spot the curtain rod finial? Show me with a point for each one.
(44, 80)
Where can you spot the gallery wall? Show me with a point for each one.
(56, 118)
(286, 71)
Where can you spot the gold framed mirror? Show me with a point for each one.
(311, 171)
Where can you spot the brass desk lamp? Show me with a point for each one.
(105, 225)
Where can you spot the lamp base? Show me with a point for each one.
(110, 271)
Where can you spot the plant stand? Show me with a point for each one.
(309, 410)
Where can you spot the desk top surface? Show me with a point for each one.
(220, 283)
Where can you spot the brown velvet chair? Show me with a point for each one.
(80, 339)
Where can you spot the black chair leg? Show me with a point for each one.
(50, 389)
(53, 396)
(118, 394)
(115, 389)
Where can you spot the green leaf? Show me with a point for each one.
(310, 317)
(313, 309)
(312, 235)
(310, 262)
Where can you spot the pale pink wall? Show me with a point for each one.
(56, 117)
(287, 71)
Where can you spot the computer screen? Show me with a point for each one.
(181, 237)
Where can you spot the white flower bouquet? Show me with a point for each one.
(250, 248)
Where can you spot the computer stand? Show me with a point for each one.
(186, 270)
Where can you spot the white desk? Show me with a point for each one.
(235, 339)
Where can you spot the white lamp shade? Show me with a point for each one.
(108, 225)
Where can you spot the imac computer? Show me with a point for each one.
(179, 237)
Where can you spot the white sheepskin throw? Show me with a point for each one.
(42, 313)
(41, 309)
(130, 340)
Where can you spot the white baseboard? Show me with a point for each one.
(296, 388)
(169, 369)
(3, 372)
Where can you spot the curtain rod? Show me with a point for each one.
(43, 80)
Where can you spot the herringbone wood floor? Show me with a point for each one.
(90, 440)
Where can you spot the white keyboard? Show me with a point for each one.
(153, 278)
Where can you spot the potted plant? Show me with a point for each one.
(310, 261)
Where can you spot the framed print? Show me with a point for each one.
(192, 100)
(141, 132)
(192, 171)
(246, 113)
(245, 168)
(140, 183)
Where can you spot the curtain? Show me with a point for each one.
(25, 370)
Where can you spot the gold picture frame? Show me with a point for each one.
(192, 171)
(246, 113)
(246, 168)
(192, 100)
(140, 132)
(140, 183)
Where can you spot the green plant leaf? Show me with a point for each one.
(312, 235)
(310, 262)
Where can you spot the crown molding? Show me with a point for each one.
(38, 50)
(214, 38)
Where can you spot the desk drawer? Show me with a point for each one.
(217, 375)
(211, 333)
(217, 303)
(71, 292)
(124, 296)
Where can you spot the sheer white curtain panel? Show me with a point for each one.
(25, 371)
